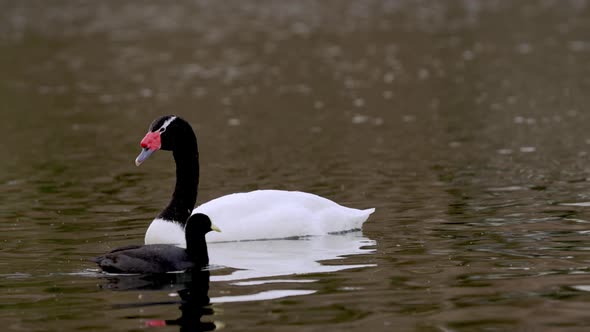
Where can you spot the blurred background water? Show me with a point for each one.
(464, 123)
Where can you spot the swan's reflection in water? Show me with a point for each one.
(271, 258)
(244, 264)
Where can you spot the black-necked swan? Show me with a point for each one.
(260, 214)
(161, 258)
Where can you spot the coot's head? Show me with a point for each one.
(168, 132)
(197, 226)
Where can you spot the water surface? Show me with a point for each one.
(464, 123)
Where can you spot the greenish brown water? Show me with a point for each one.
(465, 123)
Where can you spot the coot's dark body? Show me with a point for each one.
(162, 258)
(154, 258)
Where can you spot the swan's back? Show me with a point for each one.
(273, 214)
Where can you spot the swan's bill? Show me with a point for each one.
(215, 228)
(150, 143)
(143, 155)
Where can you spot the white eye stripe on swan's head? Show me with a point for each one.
(165, 125)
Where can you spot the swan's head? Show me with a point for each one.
(168, 132)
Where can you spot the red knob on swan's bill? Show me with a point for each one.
(150, 143)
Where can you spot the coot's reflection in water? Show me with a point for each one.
(192, 288)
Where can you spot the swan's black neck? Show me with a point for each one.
(186, 156)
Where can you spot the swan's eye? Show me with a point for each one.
(163, 129)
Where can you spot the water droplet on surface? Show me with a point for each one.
(524, 48)
(468, 55)
(199, 92)
(496, 106)
(300, 28)
(316, 129)
(423, 74)
(388, 77)
(511, 100)
(409, 118)
(106, 99)
(44, 89)
(359, 118)
(454, 144)
(579, 46)
(146, 92)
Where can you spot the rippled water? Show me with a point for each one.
(464, 123)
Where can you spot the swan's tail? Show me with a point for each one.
(364, 215)
(361, 217)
